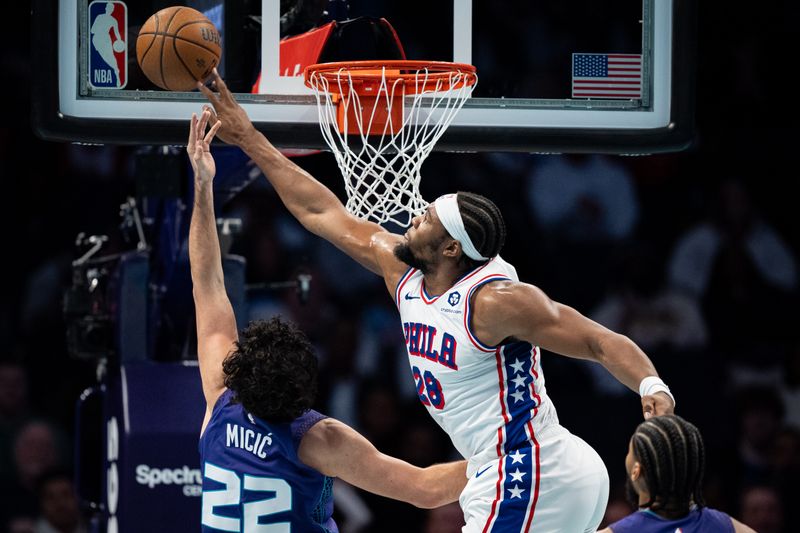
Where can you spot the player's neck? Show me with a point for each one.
(660, 510)
(441, 277)
(644, 497)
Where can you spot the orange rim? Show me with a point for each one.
(366, 75)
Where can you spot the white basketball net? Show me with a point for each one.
(382, 172)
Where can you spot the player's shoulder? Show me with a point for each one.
(507, 308)
(636, 521)
(322, 444)
(507, 292)
(383, 244)
(327, 429)
(305, 423)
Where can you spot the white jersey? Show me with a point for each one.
(491, 400)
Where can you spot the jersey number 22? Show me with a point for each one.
(251, 511)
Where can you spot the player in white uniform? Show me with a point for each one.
(472, 332)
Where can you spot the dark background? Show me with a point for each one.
(739, 383)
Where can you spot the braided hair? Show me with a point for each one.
(672, 454)
(484, 224)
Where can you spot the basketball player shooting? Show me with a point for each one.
(267, 458)
(473, 333)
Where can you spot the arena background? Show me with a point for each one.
(627, 254)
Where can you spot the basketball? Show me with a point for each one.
(177, 47)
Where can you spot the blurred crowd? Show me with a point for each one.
(694, 255)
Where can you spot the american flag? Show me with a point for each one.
(607, 76)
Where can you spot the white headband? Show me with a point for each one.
(449, 215)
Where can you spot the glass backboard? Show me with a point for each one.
(588, 75)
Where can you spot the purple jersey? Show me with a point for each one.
(703, 520)
(252, 476)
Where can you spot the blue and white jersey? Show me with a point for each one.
(252, 476)
(703, 520)
(491, 400)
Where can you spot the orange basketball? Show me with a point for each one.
(176, 47)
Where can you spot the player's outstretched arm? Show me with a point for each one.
(216, 324)
(519, 310)
(311, 202)
(337, 450)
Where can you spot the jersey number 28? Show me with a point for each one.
(429, 389)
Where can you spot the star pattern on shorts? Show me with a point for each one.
(516, 492)
(517, 476)
(517, 457)
(518, 396)
(517, 366)
(519, 381)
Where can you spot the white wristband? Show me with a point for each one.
(653, 384)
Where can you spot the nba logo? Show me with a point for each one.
(108, 48)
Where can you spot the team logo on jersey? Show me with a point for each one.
(108, 48)
(454, 298)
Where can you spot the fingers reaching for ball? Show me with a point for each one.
(236, 126)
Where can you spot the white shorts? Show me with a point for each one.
(559, 486)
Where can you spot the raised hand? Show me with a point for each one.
(199, 147)
(656, 405)
(237, 126)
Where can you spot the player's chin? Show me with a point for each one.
(402, 251)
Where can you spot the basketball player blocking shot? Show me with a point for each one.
(267, 459)
(473, 334)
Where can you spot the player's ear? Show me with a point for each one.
(452, 248)
(636, 471)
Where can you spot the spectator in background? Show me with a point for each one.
(581, 204)
(58, 504)
(735, 228)
(379, 416)
(741, 270)
(785, 458)
(13, 394)
(14, 412)
(339, 375)
(761, 418)
(445, 519)
(640, 307)
(790, 386)
(22, 524)
(35, 452)
(618, 508)
(762, 509)
(653, 316)
(583, 198)
(749, 461)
